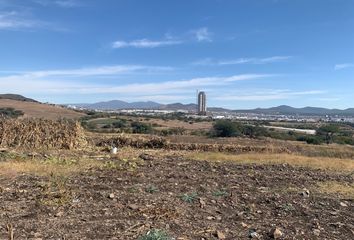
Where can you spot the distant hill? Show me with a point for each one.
(280, 110)
(180, 106)
(16, 97)
(34, 109)
(117, 104)
(287, 110)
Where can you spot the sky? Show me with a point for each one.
(242, 53)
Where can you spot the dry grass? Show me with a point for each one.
(40, 110)
(334, 164)
(46, 167)
(41, 134)
(66, 163)
(182, 124)
(344, 190)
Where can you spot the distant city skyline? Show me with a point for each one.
(244, 54)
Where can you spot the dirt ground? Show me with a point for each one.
(187, 199)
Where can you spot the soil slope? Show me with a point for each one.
(40, 110)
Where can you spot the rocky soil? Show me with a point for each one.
(184, 198)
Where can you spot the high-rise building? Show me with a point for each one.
(201, 103)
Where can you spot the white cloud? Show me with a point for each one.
(145, 43)
(211, 62)
(15, 20)
(202, 35)
(343, 66)
(268, 94)
(59, 3)
(93, 71)
(61, 82)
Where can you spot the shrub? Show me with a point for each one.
(10, 113)
(225, 128)
(119, 124)
(139, 127)
(155, 234)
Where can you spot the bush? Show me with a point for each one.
(119, 124)
(10, 113)
(139, 127)
(310, 139)
(173, 131)
(225, 128)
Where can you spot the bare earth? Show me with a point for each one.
(40, 110)
(186, 198)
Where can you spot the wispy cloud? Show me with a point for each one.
(59, 3)
(145, 43)
(90, 71)
(343, 66)
(202, 34)
(62, 82)
(267, 94)
(13, 20)
(212, 62)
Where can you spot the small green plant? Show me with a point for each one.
(220, 193)
(61, 161)
(55, 192)
(111, 165)
(189, 198)
(155, 234)
(151, 189)
(288, 207)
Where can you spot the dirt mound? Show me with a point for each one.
(137, 142)
(41, 134)
(162, 143)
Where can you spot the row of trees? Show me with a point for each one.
(330, 133)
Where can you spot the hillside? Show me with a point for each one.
(301, 111)
(35, 109)
(16, 97)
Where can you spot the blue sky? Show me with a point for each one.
(243, 53)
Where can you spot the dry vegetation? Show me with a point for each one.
(58, 182)
(40, 110)
(325, 163)
(41, 134)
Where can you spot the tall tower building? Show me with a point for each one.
(201, 103)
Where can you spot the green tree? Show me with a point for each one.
(139, 127)
(225, 128)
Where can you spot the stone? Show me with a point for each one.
(244, 225)
(202, 203)
(133, 206)
(276, 233)
(146, 157)
(305, 193)
(59, 214)
(253, 234)
(220, 235)
(316, 232)
(343, 204)
(111, 196)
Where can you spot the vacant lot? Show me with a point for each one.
(93, 195)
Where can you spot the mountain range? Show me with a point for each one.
(280, 110)
(287, 110)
